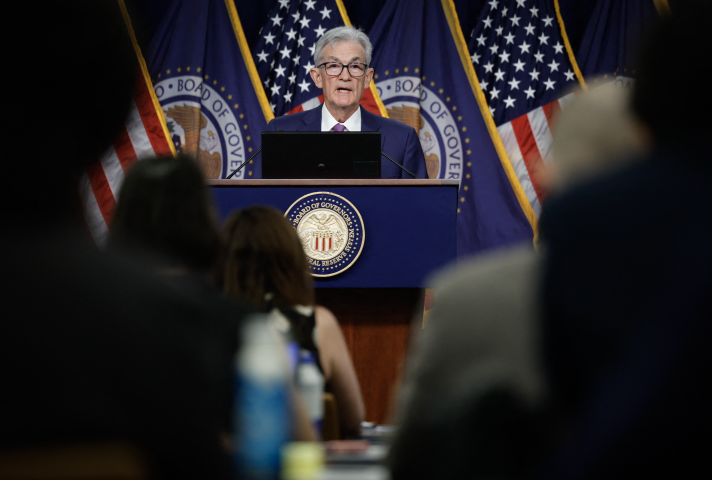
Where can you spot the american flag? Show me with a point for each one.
(285, 51)
(525, 70)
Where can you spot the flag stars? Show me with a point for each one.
(325, 13)
(515, 20)
(509, 102)
(416, 70)
(530, 29)
(514, 84)
(269, 38)
(510, 38)
(310, 4)
(494, 93)
(569, 75)
(288, 97)
(519, 66)
(206, 77)
(530, 92)
(229, 97)
(320, 31)
(247, 137)
(454, 108)
(244, 127)
(524, 47)
(242, 115)
(222, 89)
(440, 91)
(178, 69)
(488, 67)
(467, 140)
(559, 48)
(499, 75)
(198, 70)
(464, 129)
(493, 4)
(280, 71)
(547, 21)
(304, 22)
(168, 72)
(397, 70)
(262, 56)
(481, 40)
(544, 39)
(539, 57)
(277, 20)
(275, 90)
(291, 34)
(504, 57)
(285, 52)
(432, 84)
(520, 3)
(535, 11)
(236, 106)
(494, 49)
(475, 58)
(447, 99)
(488, 22)
(483, 85)
(215, 82)
(459, 118)
(499, 31)
(304, 86)
(296, 16)
(492, 110)
(554, 66)
(405, 69)
(534, 74)
(550, 84)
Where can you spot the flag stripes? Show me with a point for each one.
(142, 136)
(528, 141)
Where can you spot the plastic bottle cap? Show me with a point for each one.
(302, 461)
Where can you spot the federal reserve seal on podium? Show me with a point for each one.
(330, 229)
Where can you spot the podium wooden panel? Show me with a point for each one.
(410, 231)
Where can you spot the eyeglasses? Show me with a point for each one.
(334, 69)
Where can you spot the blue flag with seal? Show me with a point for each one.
(608, 46)
(208, 86)
(425, 79)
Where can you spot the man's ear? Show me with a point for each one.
(369, 76)
(316, 76)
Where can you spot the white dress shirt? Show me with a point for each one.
(352, 124)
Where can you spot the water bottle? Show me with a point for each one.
(261, 410)
(310, 382)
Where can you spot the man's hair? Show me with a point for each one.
(264, 255)
(343, 34)
(165, 209)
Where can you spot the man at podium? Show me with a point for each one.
(342, 57)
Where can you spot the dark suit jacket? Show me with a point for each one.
(398, 140)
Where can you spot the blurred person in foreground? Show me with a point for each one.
(165, 219)
(627, 282)
(266, 267)
(474, 403)
(93, 347)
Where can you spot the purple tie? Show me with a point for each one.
(338, 128)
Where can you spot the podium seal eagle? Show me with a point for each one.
(330, 229)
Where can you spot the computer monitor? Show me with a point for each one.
(321, 155)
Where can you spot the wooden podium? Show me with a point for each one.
(409, 232)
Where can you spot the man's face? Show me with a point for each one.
(342, 94)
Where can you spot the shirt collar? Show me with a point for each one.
(352, 124)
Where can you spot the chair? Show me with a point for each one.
(96, 461)
(331, 429)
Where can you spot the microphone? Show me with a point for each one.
(248, 161)
(399, 165)
(243, 165)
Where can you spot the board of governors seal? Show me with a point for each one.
(330, 229)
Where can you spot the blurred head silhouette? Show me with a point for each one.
(265, 256)
(71, 99)
(164, 208)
